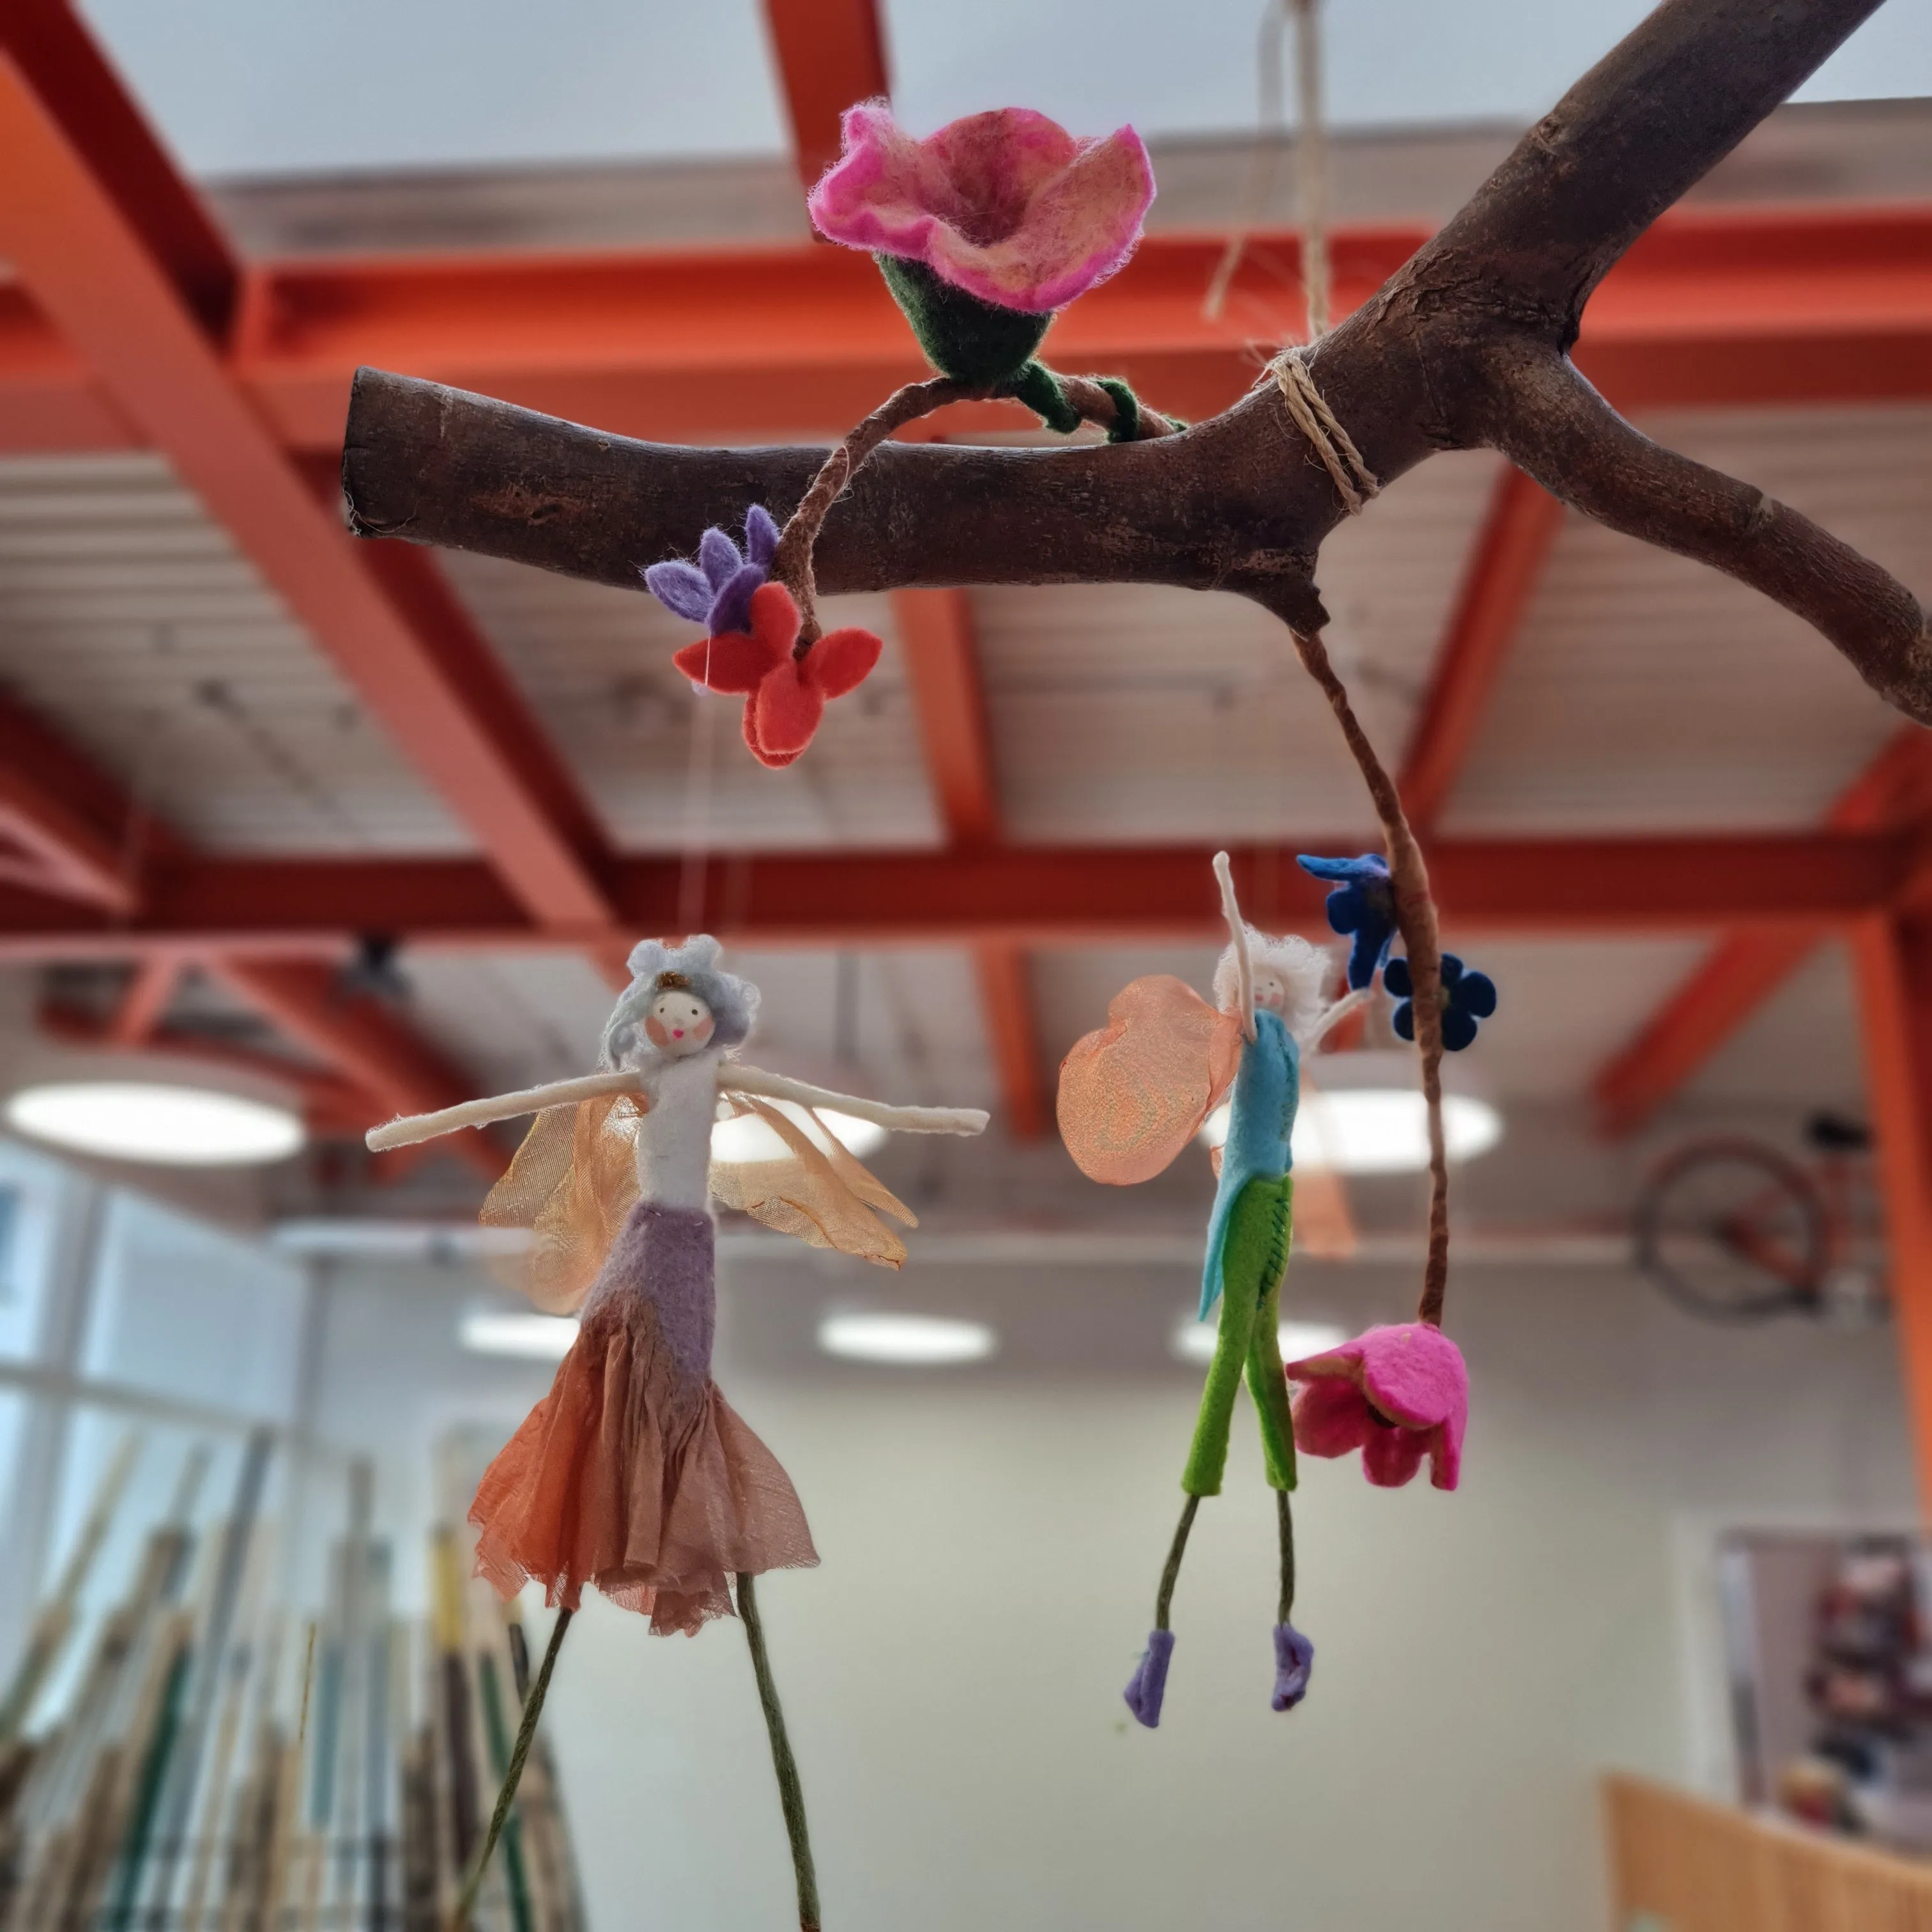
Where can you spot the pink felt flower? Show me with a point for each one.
(784, 693)
(1007, 205)
(1395, 1393)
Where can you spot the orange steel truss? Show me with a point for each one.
(132, 324)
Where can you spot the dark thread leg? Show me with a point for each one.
(791, 1793)
(1170, 1575)
(525, 1733)
(1285, 1517)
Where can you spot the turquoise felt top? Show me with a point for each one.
(1261, 1123)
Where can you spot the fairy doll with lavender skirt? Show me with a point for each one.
(634, 1475)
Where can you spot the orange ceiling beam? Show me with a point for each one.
(1507, 558)
(367, 1047)
(936, 641)
(1746, 969)
(830, 54)
(364, 1041)
(293, 907)
(1891, 961)
(424, 672)
(137, 1018)
(1712, 307)
(76, 825)
(942, 666)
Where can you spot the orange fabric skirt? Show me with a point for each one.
(634, 1473)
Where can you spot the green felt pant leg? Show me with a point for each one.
(1267, 1382)
(1252, 1255)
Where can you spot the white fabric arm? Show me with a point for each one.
(415, 1127)
(1237, 930)
(1332, 1016)
(735, 1077)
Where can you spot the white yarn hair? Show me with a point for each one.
(1302, 967)
(734, 1002)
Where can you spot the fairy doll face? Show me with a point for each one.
(677, 1022)
(1271, 994)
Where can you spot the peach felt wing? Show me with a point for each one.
(573, 1181)
(1135, 1093)
(815, 1189)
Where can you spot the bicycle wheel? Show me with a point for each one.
(1732, 1231)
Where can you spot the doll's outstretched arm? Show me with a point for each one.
(415, 1127)
(1238, 931)
(1333, 1016)
(737, 1077)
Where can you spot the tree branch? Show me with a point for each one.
(1465, 346)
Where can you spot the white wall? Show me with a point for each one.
(991, 1540)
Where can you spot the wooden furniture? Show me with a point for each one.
(1681, 1864)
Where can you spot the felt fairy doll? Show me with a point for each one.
(634, 1475)
(1132, 1096)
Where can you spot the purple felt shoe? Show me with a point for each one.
(1294, 1659)
(1148, 1684)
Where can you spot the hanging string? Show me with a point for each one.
(695, 859)
(1311, 156)
(1355, 482)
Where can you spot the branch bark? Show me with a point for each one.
(1466, 346)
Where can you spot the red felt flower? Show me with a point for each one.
(784, 695)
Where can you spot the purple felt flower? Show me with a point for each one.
(1148, 1684)
(1363, 904)
(1294, 1659)
(716, 590)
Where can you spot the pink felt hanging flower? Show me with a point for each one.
(1397, 1393)
(784, 693)
(1007, 205)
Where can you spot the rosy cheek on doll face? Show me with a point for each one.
(656, 1032)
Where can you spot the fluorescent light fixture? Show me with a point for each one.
(906, 1340)
(1194, 1340)
(747, 1137)
(1378, 1130)
(149, 1120)
(540, 1338)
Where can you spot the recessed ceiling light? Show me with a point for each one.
(747, 1137)
(545, 1338)
(1194, 1340)
(144, 1120)
(920, 1340)
(1378, 1130)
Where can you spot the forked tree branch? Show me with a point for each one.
(1466, 346)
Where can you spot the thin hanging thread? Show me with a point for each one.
(1311, 158)
(1355, 483)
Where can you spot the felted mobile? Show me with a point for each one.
(634, 1475)
(1132, 1095)
(982, 233)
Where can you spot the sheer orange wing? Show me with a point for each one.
(573, 1181)
(819, 1192)
(1135, 1093)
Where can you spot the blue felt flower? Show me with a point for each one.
(716, 590)
(1294, 1660)
(1467, 997)
(1362, 903)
